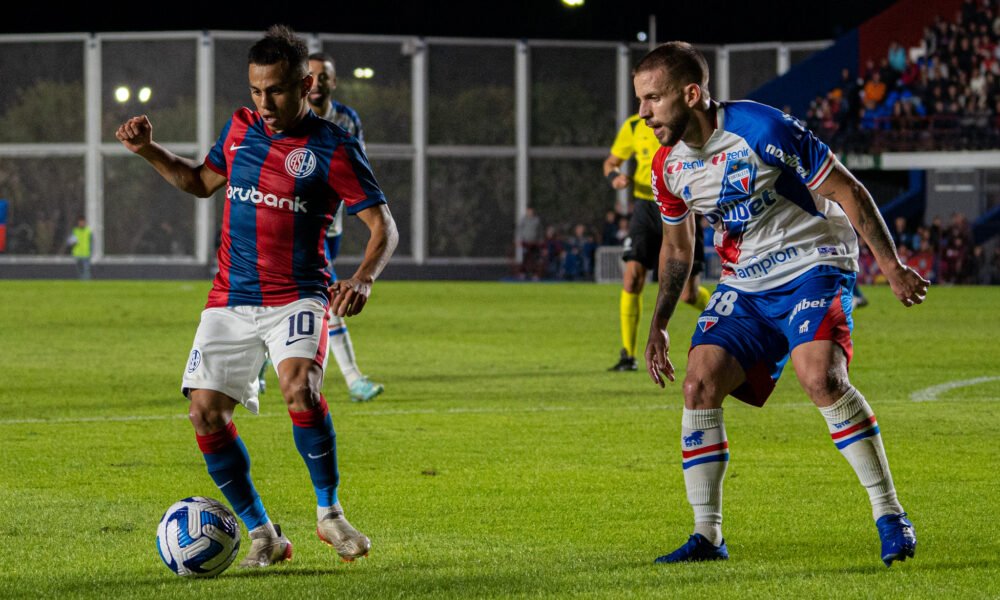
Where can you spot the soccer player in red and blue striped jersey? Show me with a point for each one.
(286, 171)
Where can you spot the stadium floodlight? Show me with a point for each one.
(641, 36)
(573, 3)
(145, 93)
(122, 94)
(364, 73)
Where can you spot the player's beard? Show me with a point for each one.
(676, 128)
(320, 107)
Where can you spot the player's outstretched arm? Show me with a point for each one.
(843, 188)
(676, 258)
(349, 296)
(136, 134)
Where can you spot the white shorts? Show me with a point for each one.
(231, 343)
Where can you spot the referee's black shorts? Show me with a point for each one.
(645, 234)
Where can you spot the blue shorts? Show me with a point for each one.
(760, 329)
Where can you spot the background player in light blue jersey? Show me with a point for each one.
(320, 99)
(324, 72)
(782, 207)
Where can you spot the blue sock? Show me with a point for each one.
(317, 443)
(229, 465)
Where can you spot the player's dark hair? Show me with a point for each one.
(324, 57)
(683, 63)
(280, 44)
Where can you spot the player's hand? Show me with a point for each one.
(349, 296)
(657, 359)
(910, 288)
(136, 133)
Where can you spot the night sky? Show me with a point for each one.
(614, 20)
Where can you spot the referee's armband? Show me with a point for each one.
(613, 175)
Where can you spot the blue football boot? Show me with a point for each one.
(898, 538)
(695, 549)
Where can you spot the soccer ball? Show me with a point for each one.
(198, 537)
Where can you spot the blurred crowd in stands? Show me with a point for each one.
(565, 252)
(941, 95)
(943, 254)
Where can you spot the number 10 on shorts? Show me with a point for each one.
(300, 326)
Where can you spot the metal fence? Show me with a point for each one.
(463, 134)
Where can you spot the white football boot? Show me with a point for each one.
(334, 530)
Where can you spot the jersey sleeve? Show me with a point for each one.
(216, 158)
(796, 150)
(361, 132)
(624, 146)
(673, 210)
(352, 179)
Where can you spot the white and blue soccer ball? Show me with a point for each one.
(198, 537)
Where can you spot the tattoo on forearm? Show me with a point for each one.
(873, 229)
(673, 276)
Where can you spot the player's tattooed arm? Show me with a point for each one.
(673, 275)
(843, 188)
(676, 258)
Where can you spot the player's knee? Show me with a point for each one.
(206, 419)
(700, 393)
(634, 280)
(299, 394)
(688, 296)
(825, 385)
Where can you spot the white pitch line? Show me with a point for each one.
(932, 393)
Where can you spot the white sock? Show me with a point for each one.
(343, 351)
(265, 530)
(855, 432)
(705, 451)
(323, 512)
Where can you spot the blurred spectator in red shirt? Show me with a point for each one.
(922, 260)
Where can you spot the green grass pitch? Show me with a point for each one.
(503, 461)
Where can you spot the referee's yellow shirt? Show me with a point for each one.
(635, 138)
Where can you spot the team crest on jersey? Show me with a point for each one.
(706, 323)
(740, 177)
(194, 361)
(300, 163)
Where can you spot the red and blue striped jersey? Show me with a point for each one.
(282, 192)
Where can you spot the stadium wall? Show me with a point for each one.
(395, 271)
(821, 71)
